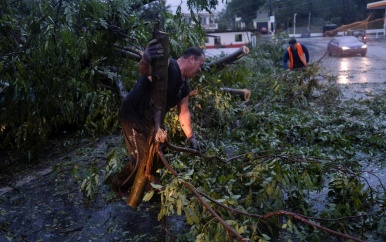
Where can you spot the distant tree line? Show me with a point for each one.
(321, 12)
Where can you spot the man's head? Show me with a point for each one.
(292, 43)
(191, 62)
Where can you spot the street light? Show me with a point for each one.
(295, 23)
(270, 15)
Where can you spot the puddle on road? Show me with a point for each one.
(359, 77)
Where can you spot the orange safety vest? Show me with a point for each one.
(300, 53)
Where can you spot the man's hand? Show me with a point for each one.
(153, 51)
(193, 143)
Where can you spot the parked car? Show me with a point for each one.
(360, 34)
(346, 45)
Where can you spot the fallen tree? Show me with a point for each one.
(144, 176)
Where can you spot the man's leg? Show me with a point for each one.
(137, 146)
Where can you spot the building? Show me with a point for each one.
(263, 22)
(379, 5)
(227, 39)
(208, 21)
(221, 39)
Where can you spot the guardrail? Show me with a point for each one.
(376, 32)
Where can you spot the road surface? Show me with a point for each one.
(359, 77)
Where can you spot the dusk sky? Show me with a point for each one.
(175, 3)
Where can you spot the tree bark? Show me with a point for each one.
(244, 94)
(222, 62)
(160, 79)
(158, 102)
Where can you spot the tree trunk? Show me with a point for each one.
(229, 58)
(158, 102)
(244, 94)
(160, 79)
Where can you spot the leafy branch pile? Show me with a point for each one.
(291, 163)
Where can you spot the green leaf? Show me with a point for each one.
(148, 196)
(266, 237)
(156, 186)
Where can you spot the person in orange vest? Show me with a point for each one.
(296, 56)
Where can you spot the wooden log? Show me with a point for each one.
(229, 58)
(244, 94)
(158, 102)
(160, 79)
(140, 182)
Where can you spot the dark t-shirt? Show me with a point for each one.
(136, 108)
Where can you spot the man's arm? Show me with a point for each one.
(184, 117)
(285, 60)
(305, 50)
(185, 121)
(144, 68)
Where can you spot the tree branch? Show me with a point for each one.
(197, 195)
(287, 213)
(222, 62)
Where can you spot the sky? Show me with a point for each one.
(175, 3)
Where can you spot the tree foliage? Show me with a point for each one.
(295, 154)
(288, 166)
(322, 12)
(247, 10)
(63, 66)
(318, 13)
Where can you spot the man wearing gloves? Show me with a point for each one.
(136, 112)
(296, 56)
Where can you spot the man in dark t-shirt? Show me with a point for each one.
(136, 113)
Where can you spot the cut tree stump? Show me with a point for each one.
(244, 94)
(222, 62)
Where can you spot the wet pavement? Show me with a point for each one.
(44, 203)
(359, 77)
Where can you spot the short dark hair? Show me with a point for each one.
(193, 51)
(292, 41)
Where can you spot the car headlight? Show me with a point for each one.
(364, 46)
(345, 48)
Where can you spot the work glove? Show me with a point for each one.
(153, 51)
(193, 143)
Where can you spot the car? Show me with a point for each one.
(360, 34)
(346, 45)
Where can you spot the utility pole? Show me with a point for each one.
(295, 23)
(309, 14)
(270, 15)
